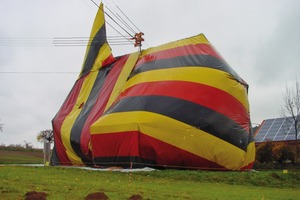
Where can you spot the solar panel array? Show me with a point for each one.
(278, 129)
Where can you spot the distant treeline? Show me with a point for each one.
(18, 147)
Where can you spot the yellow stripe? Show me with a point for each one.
(174, 133)
(98, 23)
(198, 39)
(203, 75)
(130, 63)
(250, 157)
(72, 116)
(103, 54)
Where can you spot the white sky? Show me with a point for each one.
(259, 39)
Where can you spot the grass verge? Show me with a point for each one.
(74, 183)
(15, 156)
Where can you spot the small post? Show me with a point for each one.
(46, 151)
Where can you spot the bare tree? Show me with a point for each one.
(291, 109)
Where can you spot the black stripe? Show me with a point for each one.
(190, 113)
(85, 112)
(124, 161)
(138, 162)
(251, 136)
(98, 41)
(188, 61)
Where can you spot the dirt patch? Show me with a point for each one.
(135, 197)
(33, 195)
(96, 196)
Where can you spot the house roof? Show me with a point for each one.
(276, 129)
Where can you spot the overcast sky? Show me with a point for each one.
(259, 39)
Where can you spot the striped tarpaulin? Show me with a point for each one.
(176, 105)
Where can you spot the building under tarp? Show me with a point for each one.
(178, 105)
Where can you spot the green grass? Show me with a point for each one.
(20, 156)
(74, 183)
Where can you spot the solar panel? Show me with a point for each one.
(278, 129)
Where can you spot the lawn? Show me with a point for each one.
(21, 156)
(75, 183)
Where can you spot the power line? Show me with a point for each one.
(121, 20)
(87, 41)
(63, 41)
(126, 16)
(36, 72)
(119, 32)
(79, 41)
(112, 19)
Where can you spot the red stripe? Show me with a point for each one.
(166, 154)
(135, 144)
(198, 49)
(204, 95)
(248, 167)
(101, 102)
(108, 60)
(116, 144)
(57, 122)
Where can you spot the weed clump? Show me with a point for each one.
(275, 175)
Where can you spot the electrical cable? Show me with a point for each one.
(119, 33)
(121, 20)
(62, 41)
(79, 41)
(126, 16)
(112, 19)
(35, 72)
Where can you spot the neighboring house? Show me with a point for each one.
(277, 129)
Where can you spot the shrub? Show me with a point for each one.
(264, 152)
(280, 152)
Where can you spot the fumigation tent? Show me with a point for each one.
(178, 105)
